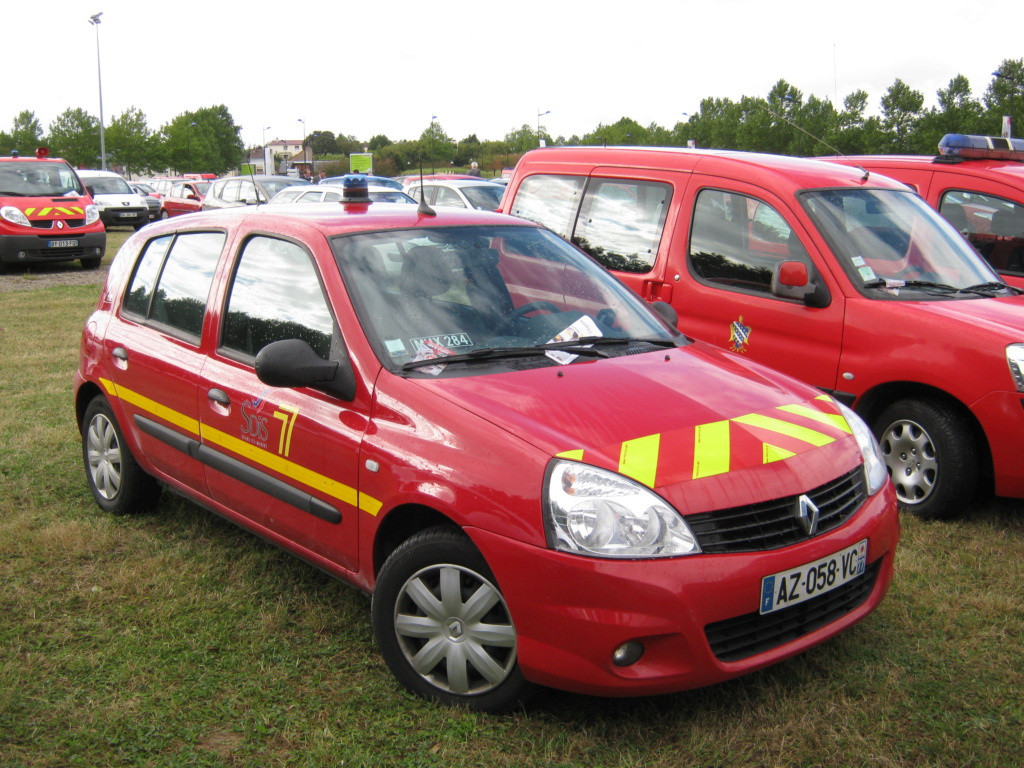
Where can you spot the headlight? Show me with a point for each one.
(1015, 357)
(15, 216)
(92, 214)
(591, 511)
(875, 471)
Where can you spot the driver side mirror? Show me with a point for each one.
(293, 363)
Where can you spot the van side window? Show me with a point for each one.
(621, 222)
(171, 283)
(993, 225)
(736, 241)
(551, 201)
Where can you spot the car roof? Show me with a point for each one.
(339, 218)
(786, 173)
(458, 183)
(981, 166)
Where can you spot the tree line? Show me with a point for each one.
(784, 122)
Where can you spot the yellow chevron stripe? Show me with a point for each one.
(711, 449)
(639, 459)
(785, 428)
(770, 453)
(832, 419)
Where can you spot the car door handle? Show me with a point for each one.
(120, 353)
(219, 396)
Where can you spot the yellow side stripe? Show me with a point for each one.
(322, 483)
(785, 428)
(832, 419)
(711, 449)
(639, 459)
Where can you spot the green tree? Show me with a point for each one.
(522, 139)
(128, 140)
(958, 112)
(378, 142)
(75, 136)
(901, 112)
(26, 134)
(1005, 96)
(322, 143)
(436, 146)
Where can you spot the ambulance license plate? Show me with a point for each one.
(786, 588)
(61, 243)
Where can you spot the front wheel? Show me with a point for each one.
(931, 455)
(443, 627)
(117, 482)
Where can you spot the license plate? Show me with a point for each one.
(62, 244)
(128, 215)
(786, 588)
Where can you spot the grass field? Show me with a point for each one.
(176, 639)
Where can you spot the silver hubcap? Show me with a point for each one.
(910, 456)
(104, 455)
(455, 630)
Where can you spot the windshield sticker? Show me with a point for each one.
(857, 261)
(867, 274)
(582, 328)
(430, 350)
(739, 336)
(395, 347)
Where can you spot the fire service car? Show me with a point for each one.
(540, 480)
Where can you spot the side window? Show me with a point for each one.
(246, 191)
(736, 241)
(551, 201)
(171, 283)
(993, 225)
(621, 222)
(449, 198)
(231, 191)
(276, 295)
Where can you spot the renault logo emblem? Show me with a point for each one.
(807, 513)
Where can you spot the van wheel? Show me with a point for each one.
(931, 456)
(116, 480)
(91, 263)
(443, 627)
(164, 214)
(137, 227)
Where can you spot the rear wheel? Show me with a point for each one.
(931, 456)
(116, 480)
(443, 627)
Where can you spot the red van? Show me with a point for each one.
(46, 214)
(843, 278)
(977, 183)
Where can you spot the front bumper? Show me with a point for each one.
(34, 248)
(1001, 415)
(572, 612)
(124, 216)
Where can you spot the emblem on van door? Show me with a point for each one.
(807, 513)
(739, 335)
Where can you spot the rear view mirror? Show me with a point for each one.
(791, 280)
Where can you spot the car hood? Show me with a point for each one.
(48, 207)
(1001, 317)
(702, 426)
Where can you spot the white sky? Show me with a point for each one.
(482, 67)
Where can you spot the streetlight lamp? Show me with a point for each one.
(266, 165)
(188, 139)
(539, 116)
(303, 121)
(1013, 90)
(95, 21)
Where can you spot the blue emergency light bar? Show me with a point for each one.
(992, 147)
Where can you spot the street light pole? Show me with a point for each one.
(1013, 91)
(432, 119)
(539, 116)
(188, 138)
(264, 149)
(303, 121)
(95, 21)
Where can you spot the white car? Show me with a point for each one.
(333, 193)
(458, 193)
(119, 205)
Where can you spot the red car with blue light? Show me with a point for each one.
(538, 478)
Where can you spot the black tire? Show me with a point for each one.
(91, 263)
(931, 455)
(137, 227)
(435, 592)
(116, 480)
(164, 214)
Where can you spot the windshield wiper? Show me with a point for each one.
(994, 287)
(497, 353)
(982, 289)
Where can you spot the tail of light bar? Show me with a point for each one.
(991, 147)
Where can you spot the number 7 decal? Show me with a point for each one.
(288, 414)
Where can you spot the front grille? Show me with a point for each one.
(773, 524)
(745, 636)
(51, 224)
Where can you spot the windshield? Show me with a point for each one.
(484, 198)
(893, 245)
(108, 185)
(509, 296)
(34, 178)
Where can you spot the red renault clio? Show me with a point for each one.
(538, 478)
